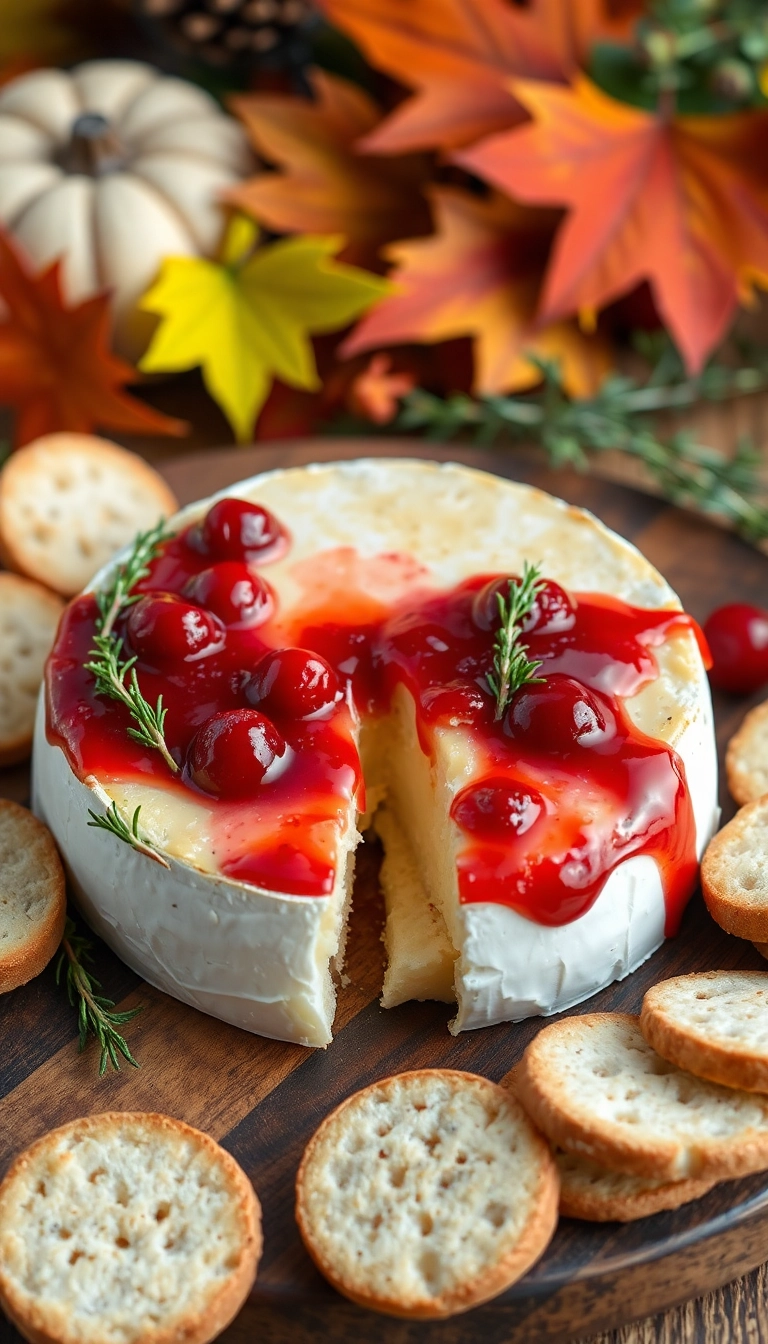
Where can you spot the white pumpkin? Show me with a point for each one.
(113, 166)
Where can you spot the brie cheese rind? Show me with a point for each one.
(268, 962)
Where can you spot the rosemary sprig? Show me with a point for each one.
(511, 665)
(618, 418)
(115, 675)
(95, 1012)
(114, 823)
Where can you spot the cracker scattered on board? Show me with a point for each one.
(426, 1194)
(33, 897)
(68, 502)
(29, 616)
(126, 1228)
(595, 1087)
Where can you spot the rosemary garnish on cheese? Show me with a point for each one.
(511, 666)
(116, 675)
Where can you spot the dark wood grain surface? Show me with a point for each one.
(262, 1099)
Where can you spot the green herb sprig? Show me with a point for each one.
(96, 1015)
(116, 675)
(511, 665)
(619, 419)
(127, 832)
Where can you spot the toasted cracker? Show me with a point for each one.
(33, 898)
(426, 1194)
(746, 760)
(598, 1195)
(596, 1088)
(126, 1229)
(68, 502)
(29, 616)
(714, 1024)
(734, 874)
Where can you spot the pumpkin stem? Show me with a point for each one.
(94, 148)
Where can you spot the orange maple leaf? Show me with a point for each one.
(56, 369)
(375, 393)
(326, 185)
(681, 202)
(460, 54)
(479, 275)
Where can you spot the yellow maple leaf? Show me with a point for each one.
(247, 317)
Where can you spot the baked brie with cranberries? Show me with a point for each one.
(323, 641)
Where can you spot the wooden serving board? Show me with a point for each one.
(262, 1099)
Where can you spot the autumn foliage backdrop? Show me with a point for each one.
(490, 188)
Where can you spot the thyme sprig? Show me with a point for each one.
(511, 665)
(129, 833)
(619, 419)
(96, 1015)
(116, 675)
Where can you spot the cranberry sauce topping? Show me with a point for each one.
(566, 786)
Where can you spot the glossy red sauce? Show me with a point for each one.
(566, 787)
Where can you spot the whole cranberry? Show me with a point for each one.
(737, 635)
(553, 610)
(164, 628)
(232, 752)
(497, 809)
(232, 592)
(292, 683)
(233, 529)
(455, 703)
(558, 716)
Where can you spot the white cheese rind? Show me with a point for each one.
(261, 960)
(249, 957)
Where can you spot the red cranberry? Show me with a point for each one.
(553, 610)
(230, 755)
(164, 628)
(292, 683)
(232, 592)
(497, 809)
(233, 529)
(559, 715)
(455, 703)
(737, 635)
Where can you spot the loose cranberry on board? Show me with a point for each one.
(737, 635)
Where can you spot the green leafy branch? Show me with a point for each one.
(96, 1015)
(511, 666)
(115, 675)
(618, 418)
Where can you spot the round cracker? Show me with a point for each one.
(68, 502)
(714, 1024)
(126, 1228)
(734, 874)
(29, 616)
(597, 1195)
(426, 1194)
(746, 760)
(595, 1087)
(33, 897)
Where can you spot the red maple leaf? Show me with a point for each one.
(56, 368)
(459, 56)
(479, 276)
(681, 202)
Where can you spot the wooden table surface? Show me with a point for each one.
(735, 1314)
